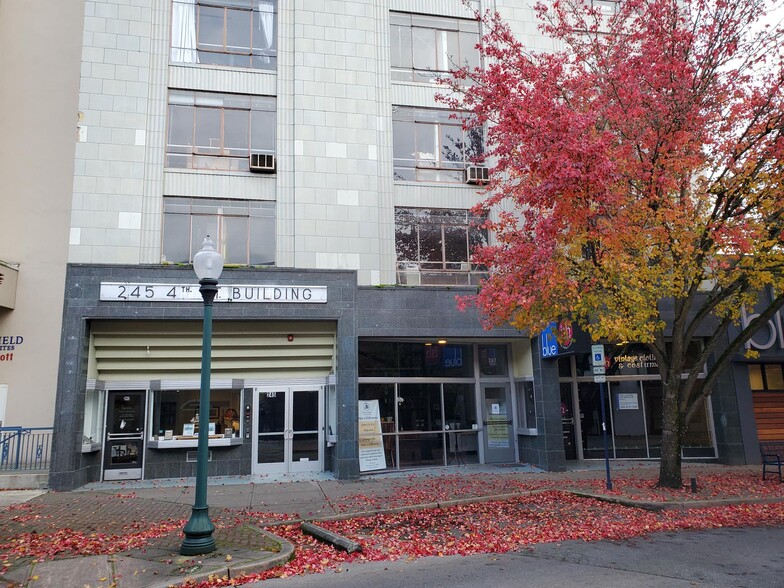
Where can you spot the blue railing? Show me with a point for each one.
(25, 448)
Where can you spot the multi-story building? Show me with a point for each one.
(306, 139)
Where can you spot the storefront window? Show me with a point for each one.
(628, 420)
(492, 360)
(526, 407)
(404, 359)
(653, 416)
(177, 411)
(426, 424)
(698, 441)
(94, 409)
(591, 420)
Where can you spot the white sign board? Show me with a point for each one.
(371, 443)
(143, 292)
(628, 401)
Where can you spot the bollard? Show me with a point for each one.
(694, 485)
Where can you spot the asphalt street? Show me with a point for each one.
(721, 558)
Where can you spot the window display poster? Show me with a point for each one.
(628, 401)
(497, 426)
(371, 446)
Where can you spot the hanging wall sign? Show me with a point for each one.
(143, 292)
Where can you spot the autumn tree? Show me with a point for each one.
(637, 184)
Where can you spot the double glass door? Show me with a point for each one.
(287, 433)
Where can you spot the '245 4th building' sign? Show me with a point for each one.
(144, 292)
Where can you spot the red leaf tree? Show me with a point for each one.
(637, 186)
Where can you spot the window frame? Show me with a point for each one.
(406, 28)
(764, 376)
(410, 131)
(157, 436)
(180, 206)
(417, 218)
(199, 107)
(257, 56)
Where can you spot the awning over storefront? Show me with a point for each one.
(8, 275)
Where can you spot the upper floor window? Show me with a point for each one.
(244, 230)
(218, 131)
(236, 33)
(424, 47)
(434, 246)
(430, 145)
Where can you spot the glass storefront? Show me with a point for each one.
(429, 405)
(426, 423)
(633, 410)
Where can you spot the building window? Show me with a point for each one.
(526, 406)
(243, 230)
(175, 413)
(606, 7)
(766, 376)
(235, 33)
(431, 145)
(434, 246)
(218, 131)
(424, 47)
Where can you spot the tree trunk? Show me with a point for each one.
(672, 436)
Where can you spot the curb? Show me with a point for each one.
(674, 505)
(285, 554)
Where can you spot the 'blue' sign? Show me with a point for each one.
(547, 341)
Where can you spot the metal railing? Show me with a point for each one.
(25, 448)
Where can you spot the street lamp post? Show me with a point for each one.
(208, 265)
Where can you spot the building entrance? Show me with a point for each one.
(287, 432)
(497, 421)
(123, 448)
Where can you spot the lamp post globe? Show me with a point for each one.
(208, 265)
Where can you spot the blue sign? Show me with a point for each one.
(547, 341)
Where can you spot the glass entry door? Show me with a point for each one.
(123, 448)
(287, 432)
(497, 421)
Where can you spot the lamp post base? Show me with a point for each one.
(198, 533)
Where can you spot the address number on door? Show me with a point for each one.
(271, 394)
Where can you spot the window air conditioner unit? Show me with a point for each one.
(476, 174)
(411, 275)
(262, 163)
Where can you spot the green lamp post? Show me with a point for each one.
(208, 265)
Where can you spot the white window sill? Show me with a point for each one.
(90, 447)
(189, 442)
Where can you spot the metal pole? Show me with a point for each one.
(198, 530)
(604, 433)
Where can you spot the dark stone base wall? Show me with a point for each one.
(545, 450)
(71, 469)
(173, 463)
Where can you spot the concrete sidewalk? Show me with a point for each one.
(111, 511)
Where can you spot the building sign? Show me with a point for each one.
(548, 342)
(371, 443)
(9, 344)
(766, 337)
(142, 292)
(635, 361)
